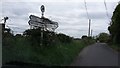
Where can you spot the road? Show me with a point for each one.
(98, 54)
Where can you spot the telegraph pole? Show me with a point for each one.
(91, 32)
(89, 27)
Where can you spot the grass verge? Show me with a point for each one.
(115, 47)
(60, 54)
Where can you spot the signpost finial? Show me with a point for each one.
(42, 10)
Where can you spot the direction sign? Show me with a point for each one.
(42, 22)
(35, 18)
(33, 23)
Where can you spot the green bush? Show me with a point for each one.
(88, 40)
(58, 49)
(114, 27)
(49, 38)
(64, 38)
(104, 37)
(21, 50)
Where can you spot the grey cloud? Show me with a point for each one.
(71, 17)
(74, 33)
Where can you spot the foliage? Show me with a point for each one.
(49, 38)
(87, 40)
(84, 36)
(116, 47)
(115, 24)
(34, 35)
(64, 38)
(115, 30)
(58, 49)
(19, 49)
(103, 37)
(6, 34)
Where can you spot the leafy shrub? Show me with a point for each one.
(64, 38)
(49, 38)
(88, 40)
(103, 37)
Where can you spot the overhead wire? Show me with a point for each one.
(106, 9)
(88, 18)
(86, 9)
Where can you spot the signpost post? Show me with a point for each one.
(42, 29)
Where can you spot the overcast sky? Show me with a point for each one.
(70, 14)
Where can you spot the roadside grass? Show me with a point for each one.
(19, 49)
(61, 54)
(116, 47)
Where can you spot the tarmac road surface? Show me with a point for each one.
(98, 54)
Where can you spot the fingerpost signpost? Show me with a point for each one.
(41, 22)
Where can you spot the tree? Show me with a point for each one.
(103, 37)
(84, 36)
(114, 28)
(34, 35)
(64, 38)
